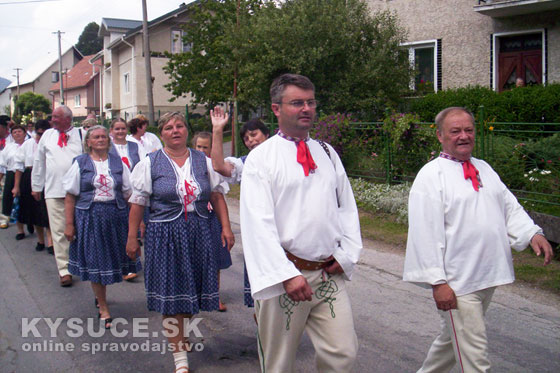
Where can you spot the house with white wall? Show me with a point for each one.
(123, 74)
(455, 43)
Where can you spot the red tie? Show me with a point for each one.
(62, 139)
(304, 157)
(125, 161)
(471, 172)
(2, 143)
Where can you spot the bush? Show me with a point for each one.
(391, 199)
(528, 104)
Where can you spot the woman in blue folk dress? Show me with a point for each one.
(180, 264)
(97, 187)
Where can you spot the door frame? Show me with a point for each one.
(496, 53)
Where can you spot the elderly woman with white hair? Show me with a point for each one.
(97, 189)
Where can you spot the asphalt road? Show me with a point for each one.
(395, 321)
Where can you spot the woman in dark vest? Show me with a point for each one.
(130, 153)
(180, 264)
(97, 187)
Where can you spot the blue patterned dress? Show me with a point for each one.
(180, 250)
(98, 254)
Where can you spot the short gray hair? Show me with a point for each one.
(283, 81)
(440, 117)
(67, 112)
(87, 149)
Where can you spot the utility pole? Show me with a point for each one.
(148, 63)
(60, 67)
(17, 69)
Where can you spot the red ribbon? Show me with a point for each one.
(125, 161)
(470, 172)
(62, 139)
(2, 143)
(189, 196)
(304, 157)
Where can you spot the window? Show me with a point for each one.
(518, 59)
(126, 83)
(177, 44)
(425, 58)
(77, 101)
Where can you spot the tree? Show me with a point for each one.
(30, 101)
(353, 56)
(88, 42)
(207, 70)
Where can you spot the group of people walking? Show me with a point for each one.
(299, 224)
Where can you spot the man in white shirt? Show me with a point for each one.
(301, 237)
(463, 222)
(56, 150)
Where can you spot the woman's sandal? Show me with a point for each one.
(106, 321)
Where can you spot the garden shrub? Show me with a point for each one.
(390, 199)
(527, 104)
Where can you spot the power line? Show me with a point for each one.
(28, 1)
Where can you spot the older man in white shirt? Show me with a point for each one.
(463, 222)
(56, 150)
(301, 237)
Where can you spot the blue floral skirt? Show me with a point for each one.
(223, 257)
(98, 254)
(181, 273)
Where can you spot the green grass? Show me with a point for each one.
(529, 268)
(383, 227)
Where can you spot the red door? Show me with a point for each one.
(526, 65)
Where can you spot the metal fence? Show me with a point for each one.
(525, 155)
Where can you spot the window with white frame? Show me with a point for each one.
(425, 58)
(126, 83)
(77, 101)
(177, 43)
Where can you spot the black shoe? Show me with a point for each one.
(20, 236)
(30, 228)
(40, 247)
(50, 250)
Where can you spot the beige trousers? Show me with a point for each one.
(463, 336)
(327, 319)
(57, 222)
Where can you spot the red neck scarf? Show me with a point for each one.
(2, 143)
(303, 154)
(304, 157)
(470, 172)
(62, 139)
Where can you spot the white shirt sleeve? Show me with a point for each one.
(38, 171)
(424, 260)
(520, 226)
(348, 253)
(236, 171)
(141, 182)
(126, 186)
(267, 264)
(216, 180)
(71, 180)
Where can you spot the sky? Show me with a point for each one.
(26, 31)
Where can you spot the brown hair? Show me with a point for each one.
(280, 83)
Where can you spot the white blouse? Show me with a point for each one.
(26, 153)
(7, 158)
(141, 180)
(103, 182)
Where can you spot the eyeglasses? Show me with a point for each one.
(298, 104)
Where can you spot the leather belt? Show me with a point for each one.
(306, 265)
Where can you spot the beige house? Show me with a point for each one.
(81, 88)
(492, 43)
(123, 74)
(41, 84)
